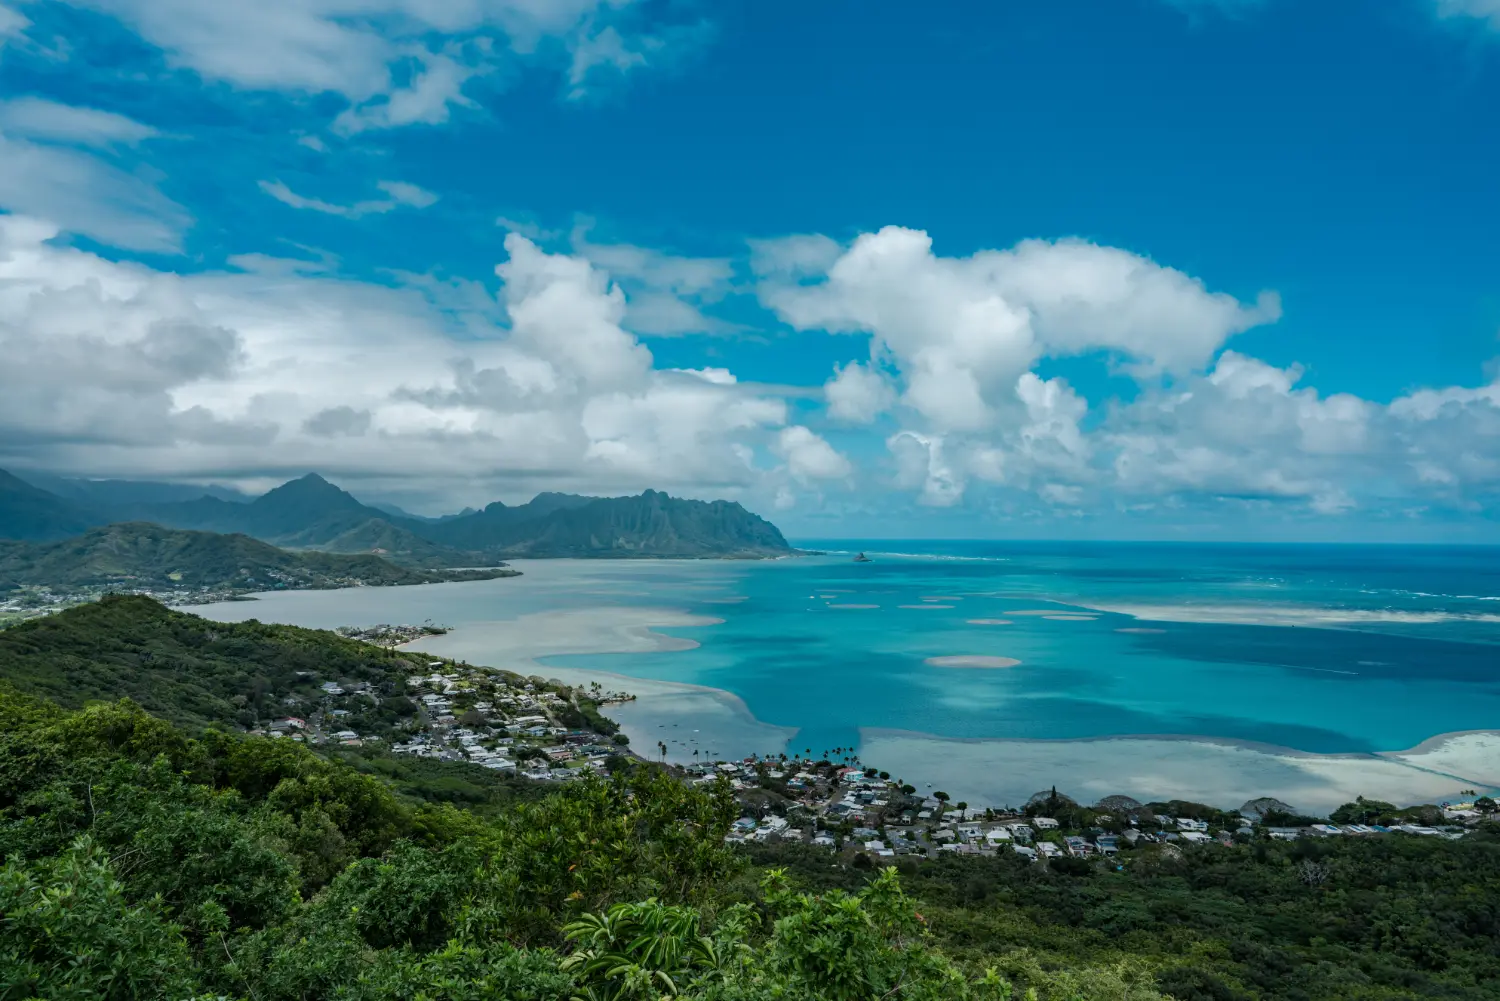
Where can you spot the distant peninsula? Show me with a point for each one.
(185, 567)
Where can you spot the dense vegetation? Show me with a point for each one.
(151, 859)
(183, 668)
(1390, 917)
(140, 555)
(146, 864)
(311, 513)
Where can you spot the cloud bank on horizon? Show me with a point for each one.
(153, 326)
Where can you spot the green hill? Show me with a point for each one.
(139, 555)
(177, 666)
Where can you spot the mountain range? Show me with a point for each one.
(312, 514)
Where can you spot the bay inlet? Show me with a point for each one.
(1093, 670)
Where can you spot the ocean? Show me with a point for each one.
(983, 654)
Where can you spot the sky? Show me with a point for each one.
(1137, 269)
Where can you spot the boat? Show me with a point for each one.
(862, 558)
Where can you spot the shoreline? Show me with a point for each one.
(527, 629)
(720, 718)
(1146, 766)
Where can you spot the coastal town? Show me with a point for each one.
(21, 602)
(544, 731)
(860, 811)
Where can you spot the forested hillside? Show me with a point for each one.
(180, 667)
(136, 555)
(147, 859)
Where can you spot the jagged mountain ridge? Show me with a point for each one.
(311, 513)
(646, 525)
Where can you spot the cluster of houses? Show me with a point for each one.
(387, 635)
(464, 714)
(513, 725)
(854, 810)
(474, 715)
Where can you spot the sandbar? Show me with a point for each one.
(1269, 614)
(924, 606)
(1222, 773)
(1071, 618)
(972, 661)
(990, 622)
(1140, 630)
(850, 605)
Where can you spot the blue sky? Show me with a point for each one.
(1138, 268)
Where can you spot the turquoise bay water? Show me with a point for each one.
(1331, 649)
(1394, 644)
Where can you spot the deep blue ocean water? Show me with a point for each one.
(1317, 648)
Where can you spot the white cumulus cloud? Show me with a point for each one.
(122, 369)
(857, 394)
(809, 457)
(962, 330)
